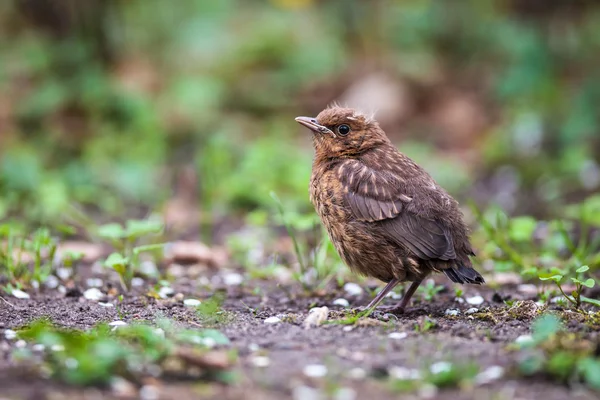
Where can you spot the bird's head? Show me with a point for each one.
(343, 132)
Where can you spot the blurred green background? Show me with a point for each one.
(123, 108)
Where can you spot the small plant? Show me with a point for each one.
(26, 259)
(97, 356)
(125, 241)
(318, 266)
(562, 355)
(425, 324)
(430, 289)
(576, 297)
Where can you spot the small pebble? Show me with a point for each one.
(71, 363)
(106, 305)
(116, 324)
(62, 289)
(260, 361)
(524, 339)
(403, 373)
(192, 302)
(20, 344)
(253, 347)
(137, 282)
(306, 393)
(148, 268)
(441, 366)
(341, 302)
(475, 300)
(459, 300)
(159, 332)
(489, 375)
(57, 347)
(94, 282)
(398, 335)
(452, 313)
(353, 289)
(93, 294)
(209, 342)
(38, 347)
(428, 391)
(315, 370)
(123, 388)
(19, 294)
(52, 282)
(357, 374)
(9, 334)
(165, 292)
(149, 392)
(348, 328)
(233, 279)
(64, 273)
(472, 310)
(272, 320)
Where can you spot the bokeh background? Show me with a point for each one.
(124, 108)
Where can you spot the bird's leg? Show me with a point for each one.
(391, 284)
(407, 295)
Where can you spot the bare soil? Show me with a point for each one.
(482, 337)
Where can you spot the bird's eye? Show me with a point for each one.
(343, 129)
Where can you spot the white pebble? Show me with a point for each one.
(192, 302)
(52, 282)
(116, 324)
(341, 302)
(524, 339)
(357, 374)
(64, 273)
(57, 347)
(38, 347)
(272, 320)
(348, 328)
(475, 300)
(398, 335)
(148, 268)
(459, 300)
(441, 366)
(233, 279)
(137, 282)
(94, 282)
(353, 289)
(20, 343)
(253, 347)
(315, 370)
(452, 313)
(403, 373)
(106, 305)
(19, 294)
(306, 393)
(165, 292)
(209, 342)
(62, 289)
(159, 332)
(489, 375)
(260, 361)
(9, 334)
(149, 392)
(472, 310)
(93, 294)
(428, 391)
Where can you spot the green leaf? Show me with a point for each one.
(589, 283)
(116, 260)
(544, 327)
(583, 269)
(111, 231)
(522, 228)
(555, 278)
(590, 301)
(136, 228)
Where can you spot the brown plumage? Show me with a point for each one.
(385, 215)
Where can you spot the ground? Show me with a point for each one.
(359, 357)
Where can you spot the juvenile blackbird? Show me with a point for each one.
(385, 215)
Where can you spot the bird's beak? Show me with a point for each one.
(313, 125)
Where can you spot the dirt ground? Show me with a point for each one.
(358, 357)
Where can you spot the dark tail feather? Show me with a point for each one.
(462, 274)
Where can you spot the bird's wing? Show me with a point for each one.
(377, 197)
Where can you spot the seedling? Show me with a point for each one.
(124, 239)
(576, 297)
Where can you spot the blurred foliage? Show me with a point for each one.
(103, 102)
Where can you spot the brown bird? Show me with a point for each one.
(385, 215)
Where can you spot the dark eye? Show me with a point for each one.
(343, 129)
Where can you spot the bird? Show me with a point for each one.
(385, 215)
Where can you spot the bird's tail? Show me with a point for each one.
(463, 274)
